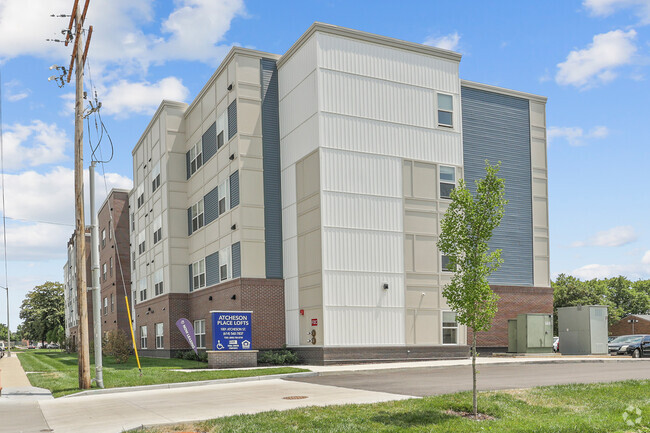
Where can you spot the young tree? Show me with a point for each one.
(466, 230)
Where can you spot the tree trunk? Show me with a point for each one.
(474, 400)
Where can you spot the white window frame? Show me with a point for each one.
(160, 334)
(157, 229)
(142, 289)
(225, 259)
(442, 328)
(445, 181)
(223, 193)
(141, 242)
(110, 266)
(110, 230)
(199, 333)
(143, 337)
(222, 126)
(104, 271)
(442, 268)
(158, 282)
(155, 177)
(112, 303)
(438, 110)
(103, 238)
(132, 221)
(196, 157)
(140, 195)
(105, 306)
(197, 213)
(198, 271)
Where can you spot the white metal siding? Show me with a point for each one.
(299, 66)
(363, 289)
(361, 212)
(298, 105)
(372, 60)
(354, 326)
(363, 250)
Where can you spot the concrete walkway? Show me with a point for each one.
(19, 405)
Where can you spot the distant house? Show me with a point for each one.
(631, 324)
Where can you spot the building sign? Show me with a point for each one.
(231, 330)
(186, 328)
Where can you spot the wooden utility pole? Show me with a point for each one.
(80, 235)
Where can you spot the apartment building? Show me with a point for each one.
(114, 269)
(308, 188)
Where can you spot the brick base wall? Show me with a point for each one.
(265, 298)
(623, 328)
(232, 358)
(513, 300)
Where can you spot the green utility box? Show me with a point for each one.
(531, 333)
(583, 330)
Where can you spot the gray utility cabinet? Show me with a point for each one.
(583, 330)
(531, 333)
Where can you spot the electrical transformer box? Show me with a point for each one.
(583, 330)
(531, 333)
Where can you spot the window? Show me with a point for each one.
(224, 264)
(155, 177)
(222, 129)
(141, 240)
(199, 333)
(140, 194)
(110, 266)
(104, 271)
(110, 230)
(103, 238)
(445, 110)
(159, 336)
(449, 328)
(447, 181)
(157, 229)
(132, 222)
(198, 274)
(143, 337)
(158, 282)
(112, 303)
(133, 257)
(223, 197)
(105, 306)
(197, 215)
(446, 266)
(142, 287)
(196, 157)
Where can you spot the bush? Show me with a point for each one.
(278, 357)
(118, 345)
(189, 355)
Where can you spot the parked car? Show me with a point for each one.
(556, 344)
(634, 345)
(53, 346)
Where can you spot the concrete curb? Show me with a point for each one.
(188, 384)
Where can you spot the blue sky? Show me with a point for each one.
(591, 59)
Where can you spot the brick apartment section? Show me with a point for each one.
(265, 298)
(118, 204)
(623, 328)
(513, 300)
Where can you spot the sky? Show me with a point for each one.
(590, 58)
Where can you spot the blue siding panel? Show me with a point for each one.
(496, 127)
(271, 165)
(209, 142)
(191, 288)
(189, 221)
(211, 206)
(212, 269)
(232, 119)
(236, 260)
(234, 189)
(187, 164)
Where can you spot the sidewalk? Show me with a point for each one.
(19, 403)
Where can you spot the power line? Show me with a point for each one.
(34, 221)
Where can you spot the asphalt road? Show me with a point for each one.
(444, 380)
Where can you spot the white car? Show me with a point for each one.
(556, 344)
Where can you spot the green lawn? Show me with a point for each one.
(556, 409)
(57, 371)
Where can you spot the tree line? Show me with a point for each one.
(621, 295)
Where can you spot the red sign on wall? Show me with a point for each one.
(314, 322)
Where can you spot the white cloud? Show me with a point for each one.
(596, 63)
(646, 258)
(608, 7)
(35, 144)
(576, 136)
(36, 241)
(126, 97)
(50, 196)
(633, 271)
(614, 237)
(446, 42)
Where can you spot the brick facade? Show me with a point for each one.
(513, 300)
(622, 327)
(264, 297)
